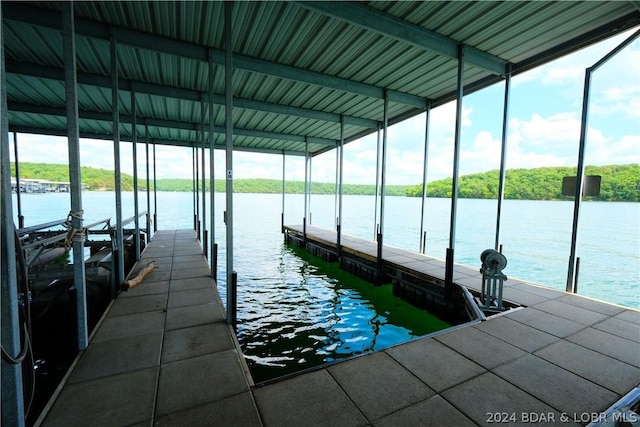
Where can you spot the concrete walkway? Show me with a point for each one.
(165, 356)
(164, 347)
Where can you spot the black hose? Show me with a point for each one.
(25, 317)
(28, 386)
(23, 288)
(23, 354)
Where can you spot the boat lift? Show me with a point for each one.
(493, 262)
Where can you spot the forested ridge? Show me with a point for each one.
(93, 178)
(274, 186)
(103, 180)
(619, 183)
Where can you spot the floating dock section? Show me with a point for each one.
(417, 278)
(164, 355)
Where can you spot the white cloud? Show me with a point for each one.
(172, 162)
(405, 155)
(98, 154)
(443, 118)
(40, 149)
(554, 141)
(404, 167)
(558, 130)
(484, 155)
(615, 86)
(440, 160)
(621, 102)
(570, 69)
(562, 75)
(606, 152)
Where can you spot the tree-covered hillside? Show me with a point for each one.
(102, 179)
(274, 186)
(94, 179)
(619, 183)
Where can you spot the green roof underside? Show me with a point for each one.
(300, 68)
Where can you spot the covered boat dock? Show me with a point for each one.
(302, 79)
(164, 355)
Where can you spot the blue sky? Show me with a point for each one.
(544, 130)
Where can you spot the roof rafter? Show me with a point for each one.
(34, 70)
(412, 47)
(400, 30)
(141, 40)
(159, 141)
(172, 124)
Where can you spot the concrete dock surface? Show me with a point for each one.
(163, 355)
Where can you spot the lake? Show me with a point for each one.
(296, 312)
(536, 235)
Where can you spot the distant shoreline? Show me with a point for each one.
(619, 183)
(371, 195)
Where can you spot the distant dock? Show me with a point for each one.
(39, 186)
(164, 355)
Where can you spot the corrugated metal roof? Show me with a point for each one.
(298, 66)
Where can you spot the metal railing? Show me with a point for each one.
(133, 218)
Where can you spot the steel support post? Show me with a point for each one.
(503, 154)
(448, 280)
(340, 188)
(283, 192)
(228, 83)
(17, 164)
(146, 147)
(12, 390)
(310, 187)
(155, 192)
(212, 181)
(134, 145)
(571, 273)
(193, 189)
(115, 106)
(73, 134)
(423, 236)
(335, 198)
(205, 237)
(306, 188)
(196, 188)
(375, 207)
(579, 181)
(383, 167)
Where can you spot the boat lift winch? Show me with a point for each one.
(493, 262)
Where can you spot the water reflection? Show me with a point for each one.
(305, 312)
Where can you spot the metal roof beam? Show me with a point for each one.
(310, 77)
(154, 122)
(109, 138)
(52, 73)
(98, 115)
(621, 24)
(415, 35)
(138, 39)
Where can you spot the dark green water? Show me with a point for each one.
(312, 313)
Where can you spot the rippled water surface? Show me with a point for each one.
(295, 312)
(308, 313)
